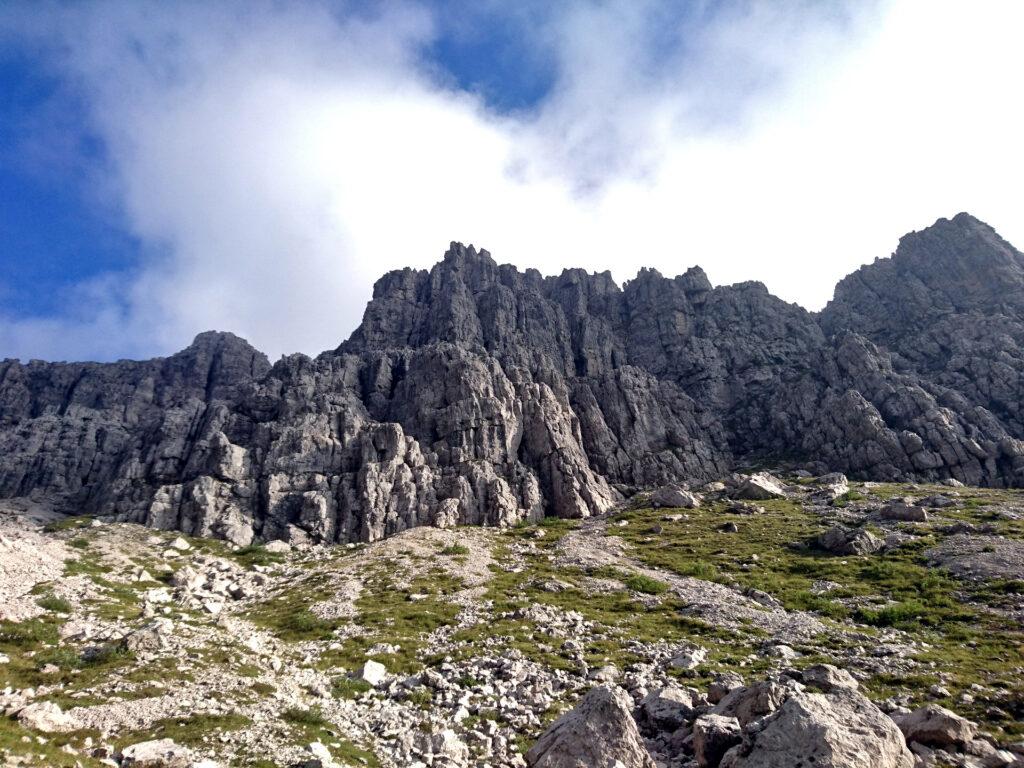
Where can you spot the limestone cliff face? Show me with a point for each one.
(473, 393)
(949, 308)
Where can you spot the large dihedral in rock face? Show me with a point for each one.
(478, 394)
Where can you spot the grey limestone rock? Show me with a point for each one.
(937, 727)
(713, 736)
(748, 703)
(666, 709)
(599, 733)
(827, 678)
(841, 729)
(474, 393)
(675, 496)
(904, 511)
(841, 540)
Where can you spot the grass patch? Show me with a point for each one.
(25, 635)
(644, 584)
(961, 627)
(421, 697)
(388, 614)
(455, 549)
(311, 725)
(68, 524)
(255, 554)
(303, 624)
(900, 614)
(843, 499)
(288, 613)
(17, 742)
(307, 718)
(54, 604)
(348, 688)
(189, 731)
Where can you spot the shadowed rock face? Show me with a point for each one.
(473, 393)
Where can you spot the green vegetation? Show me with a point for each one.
(288, 613)
(307, 718)
(303, 624)
(310, 725)
(899, 614)
(54, 604)
(255, 554)
(27, 634)
(645, 584)
(68, 524)
(617, 613)
(348, 688)
(962, 633)
(421, 697)
(401, 616)
(188, 731)
(959, 625)
(33, 646)
(16, 741)
(846, 498)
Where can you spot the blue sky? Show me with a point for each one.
(58, 229)
(54, 234)
(169, 168)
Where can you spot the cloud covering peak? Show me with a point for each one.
(271, 160)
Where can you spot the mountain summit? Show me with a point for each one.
(474, 393)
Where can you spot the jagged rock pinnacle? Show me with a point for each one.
(476, 393)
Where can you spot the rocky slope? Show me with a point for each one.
(855, 625)
(473, 393)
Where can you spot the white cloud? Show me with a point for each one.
(276, 163)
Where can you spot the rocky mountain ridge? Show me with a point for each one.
(474, 393)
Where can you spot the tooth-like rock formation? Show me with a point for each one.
(478, 394)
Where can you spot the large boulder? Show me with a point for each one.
(827, 678)
(749, 702)
(160, 753)
(372, 672)
(443, 748)
(47, 717)
(665, 709)
(759, 486)
(713, 736)
(675, 496)
(903, 511)
(837, 730)
(151, 638)
(722, 685)
(599, 733)
(936, 726)
(832, 486)
(840, 540)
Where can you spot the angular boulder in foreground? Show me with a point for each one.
(841, 729)
(599, 733)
